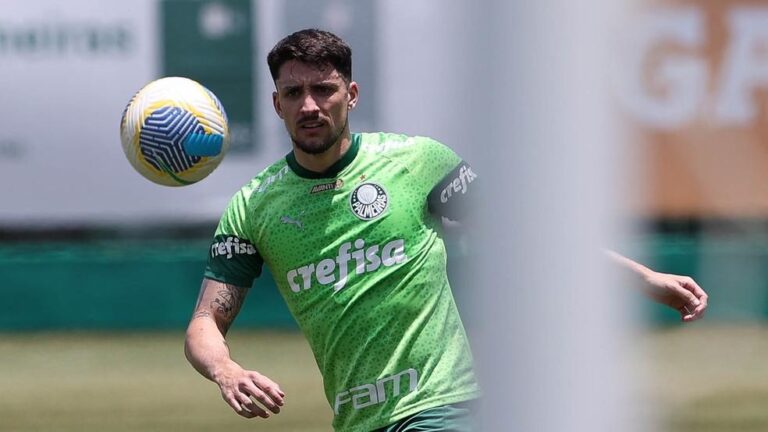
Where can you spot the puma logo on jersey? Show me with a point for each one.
(336, 270)
(291, 221)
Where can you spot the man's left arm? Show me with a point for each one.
(454, 197)
(681, 293)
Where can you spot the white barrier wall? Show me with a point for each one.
(67, 72)
(67, 69)
(691, 82)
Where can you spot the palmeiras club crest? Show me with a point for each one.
(368, 201)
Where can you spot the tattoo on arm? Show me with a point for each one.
(227, 304)
(201, 314)
(224, 306)
(228, 300)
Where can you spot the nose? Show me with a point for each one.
(309, 105)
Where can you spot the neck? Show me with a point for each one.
(320, 163)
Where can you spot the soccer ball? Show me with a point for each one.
(174, 131)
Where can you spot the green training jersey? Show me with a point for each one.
(361, 264)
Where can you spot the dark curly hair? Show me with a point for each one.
(313, 47)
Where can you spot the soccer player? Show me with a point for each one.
(349, 225)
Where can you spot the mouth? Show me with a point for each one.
(311, 124)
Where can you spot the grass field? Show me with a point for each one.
(708, 379)
(141, 382)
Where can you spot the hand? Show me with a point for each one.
(681, 293)
(241, 389)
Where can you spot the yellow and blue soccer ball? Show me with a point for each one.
(174, 131)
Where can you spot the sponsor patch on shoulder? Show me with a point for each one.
(228, 246)
(338, 184)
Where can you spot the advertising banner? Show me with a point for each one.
(693, 87)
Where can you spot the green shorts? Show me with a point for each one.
(454, 418)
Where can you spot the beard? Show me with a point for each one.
(315, 147)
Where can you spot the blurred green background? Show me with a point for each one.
(140, 280)
(93, 339)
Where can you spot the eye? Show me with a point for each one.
(325, 90)
(291, 92)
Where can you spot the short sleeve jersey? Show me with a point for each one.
(361, 264)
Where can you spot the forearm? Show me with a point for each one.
(207, 351)
(633, 266)
(206, 348)
(679, 292)
(205, 345)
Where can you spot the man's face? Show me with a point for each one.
(314, 103)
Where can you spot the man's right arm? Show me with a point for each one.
(206, 349)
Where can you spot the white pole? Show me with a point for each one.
(552, 325)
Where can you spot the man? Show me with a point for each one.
(350, 227)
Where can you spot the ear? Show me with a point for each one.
(352, 94)
(276, 104)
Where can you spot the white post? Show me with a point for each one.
(552, 324)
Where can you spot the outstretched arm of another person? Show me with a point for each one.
(206, 349)
(681, 293)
